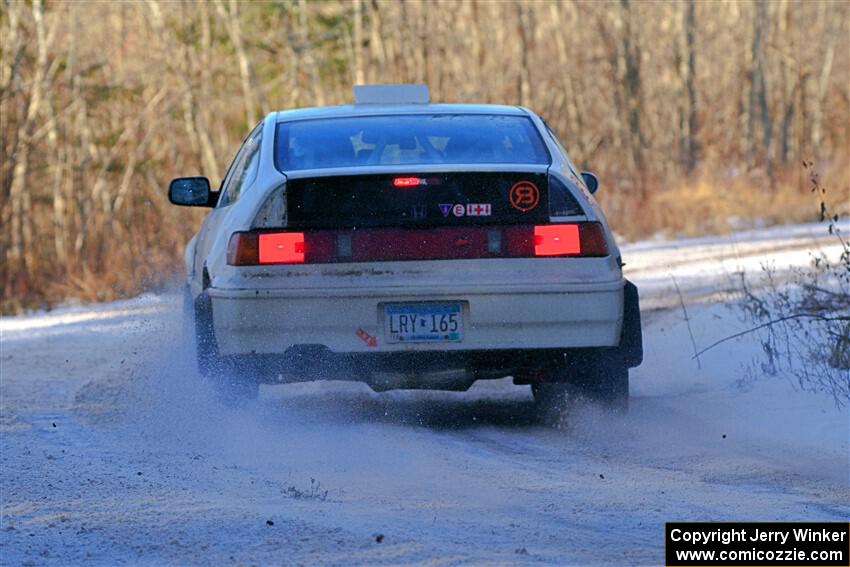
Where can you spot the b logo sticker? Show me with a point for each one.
(524, 196)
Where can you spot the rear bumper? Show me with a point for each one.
(340, 320)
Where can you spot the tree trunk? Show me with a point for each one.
(359, 78)
(822, 84)
(692, 121)
(251, 90)
(758, 95)
(21, 257)
(526, 44)
(633, 98)
(309, 60)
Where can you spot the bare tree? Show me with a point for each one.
(101, 103)
(251, 90)
(692, 132)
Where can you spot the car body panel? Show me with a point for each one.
(517, 317)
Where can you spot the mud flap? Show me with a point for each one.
(631, 338)
(204, 324)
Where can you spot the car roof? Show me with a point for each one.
(350, 110)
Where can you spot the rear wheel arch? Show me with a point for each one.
(232, 380)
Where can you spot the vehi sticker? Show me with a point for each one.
(524, 196)
(469, 210)
(478, 210)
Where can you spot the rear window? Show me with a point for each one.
(415, 139)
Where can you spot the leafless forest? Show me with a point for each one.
(695, 114)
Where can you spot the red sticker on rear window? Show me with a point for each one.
(524, 196)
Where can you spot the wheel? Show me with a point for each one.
(553, 400)
(232, 380)
(602, 379)
(605, 380)
(231, 383)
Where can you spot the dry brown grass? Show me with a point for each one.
(710, 204)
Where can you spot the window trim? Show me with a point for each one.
(256, 132)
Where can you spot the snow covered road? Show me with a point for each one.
(112, 453)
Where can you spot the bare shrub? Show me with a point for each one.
(803, 322)
(314, 492)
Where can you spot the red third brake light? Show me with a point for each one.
(407, 181)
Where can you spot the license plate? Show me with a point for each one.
(423, 322)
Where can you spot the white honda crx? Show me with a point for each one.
(408, 245)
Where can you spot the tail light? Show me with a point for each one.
(281, 248)
(253, 248)
(583, 239)
(578, 239)
(243, 249)
(592, 238)
(556, 240)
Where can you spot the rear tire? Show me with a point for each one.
(230, 381)
(605, 380)
(554, 400)
(602, 379)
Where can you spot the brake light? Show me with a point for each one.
(407, 181)
(556, 240)
(585, 239)
(251, 248)
(281, 248)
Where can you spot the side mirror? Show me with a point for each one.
(591, 181)
(192, 192)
